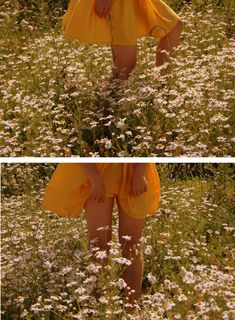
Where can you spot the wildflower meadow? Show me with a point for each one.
(188, 251)
(57, 99)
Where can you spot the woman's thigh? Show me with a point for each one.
(99, 216)
(129, 227)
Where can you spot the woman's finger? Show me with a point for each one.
(107, 10)
(101, 12)
(134, 193)
(141, 190)
(104, 12)
(98, 11)
(101, 198)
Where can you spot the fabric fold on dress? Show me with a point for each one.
(69, 188)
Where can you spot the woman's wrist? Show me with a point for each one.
(91, 172)
(140, 168)
(96, 178)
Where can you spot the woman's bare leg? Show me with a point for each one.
(132, 249)
(124, 58)
(99, 216)
(168, 43)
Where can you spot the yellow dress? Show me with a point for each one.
(69, 188)
(128, 20)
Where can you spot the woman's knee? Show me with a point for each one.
(101, 238)
(132, 250)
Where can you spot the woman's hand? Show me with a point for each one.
(97, 191)
(138, 181)
(102, 8)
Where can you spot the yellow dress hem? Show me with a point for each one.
(65, 214)
(84, 40)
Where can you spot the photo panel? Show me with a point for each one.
(117, 78)
(117, 159)
(158, 245)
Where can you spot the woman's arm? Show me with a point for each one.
(102, 8)
(97, 192)
(140, 168)
(90, 170)
(138, 180)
